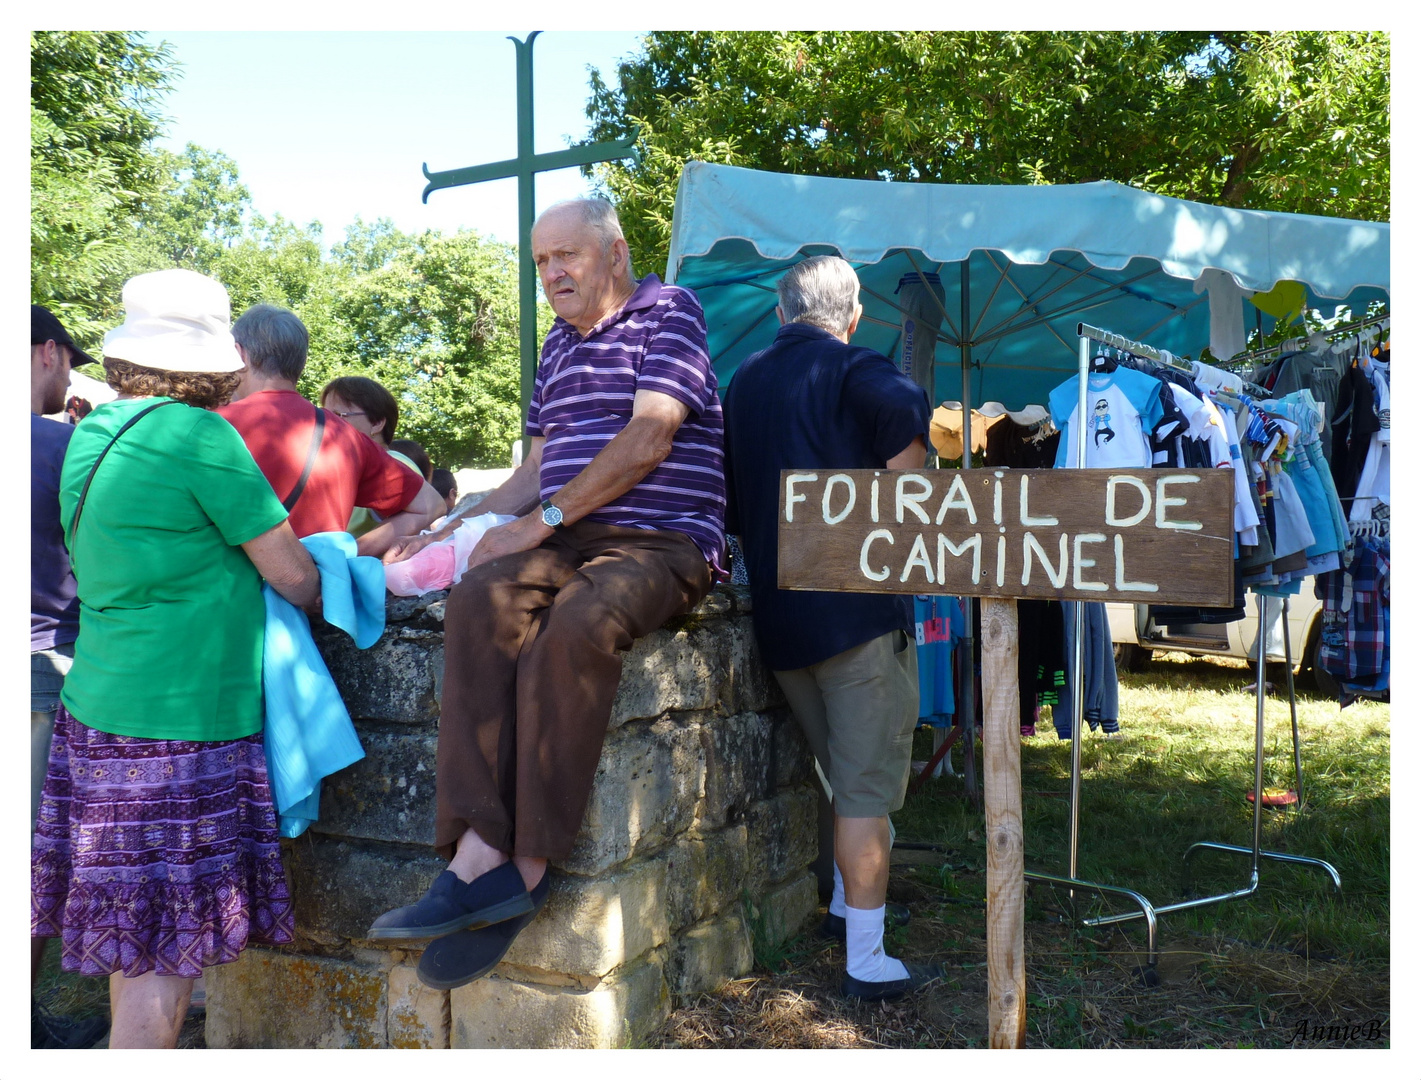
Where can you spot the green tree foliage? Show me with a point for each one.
(1296, 121)
(434, 317)
(94, 99)
(198, 210)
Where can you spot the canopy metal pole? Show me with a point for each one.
(969, 687)
(1078, 653)
(1292, 704)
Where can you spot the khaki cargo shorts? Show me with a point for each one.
(858, 710)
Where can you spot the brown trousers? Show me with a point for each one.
(533, 648)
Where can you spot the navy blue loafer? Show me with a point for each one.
(471, 954)
(834, 926)
(919, 975)
(451, 905)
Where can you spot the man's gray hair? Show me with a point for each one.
(274, 339)
(600, 216)
(823, 291)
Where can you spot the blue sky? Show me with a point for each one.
(328, 126)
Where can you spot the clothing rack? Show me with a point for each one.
(1134, 348)
(1148, 911)
(1300, 344)
(1157, 356)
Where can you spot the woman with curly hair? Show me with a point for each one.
(156, 851)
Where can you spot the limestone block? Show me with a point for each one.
(738, 595)
(645, 793)
(277, 999)
(709, 955)
(781, 913)
(418, 1017)
(713, 603)
(397, 679)
(783, 837)
(705, 874)
(591, 926)
(386, 795)
(667, 671)
(619, 1011)
(748, 686)
(425, 611)
(737, 750)
(792, 759)
(340, 887)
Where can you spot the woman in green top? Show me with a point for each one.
(156, 853)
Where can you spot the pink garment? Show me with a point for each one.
(441, 564)
(426, 570)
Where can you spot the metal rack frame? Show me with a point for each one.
(1293, 344)
(1148, 911)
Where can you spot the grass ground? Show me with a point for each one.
(1243, 973)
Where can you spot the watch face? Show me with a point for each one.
(552, 517)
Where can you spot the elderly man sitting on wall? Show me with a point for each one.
(621, 505)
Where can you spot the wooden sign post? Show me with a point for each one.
(1141, 535)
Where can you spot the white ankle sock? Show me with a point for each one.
(836, 902)
(867, 960)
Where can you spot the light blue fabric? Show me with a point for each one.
(1324, 511)
(1036, 260)
(308, 733)
(940, 627)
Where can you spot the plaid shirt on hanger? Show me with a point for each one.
(1354, 630)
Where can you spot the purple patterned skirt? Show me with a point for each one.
(155, 854)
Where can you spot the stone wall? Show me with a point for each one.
(698, 839)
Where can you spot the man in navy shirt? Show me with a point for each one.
(846, 661)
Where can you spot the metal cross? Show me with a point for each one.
(524, 166)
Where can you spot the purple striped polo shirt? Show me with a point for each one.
(583, 394)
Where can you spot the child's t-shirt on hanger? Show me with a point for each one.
(1124, 407)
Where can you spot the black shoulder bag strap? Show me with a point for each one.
(84, 494)
(290, 501)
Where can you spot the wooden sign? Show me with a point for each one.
(1157, 536)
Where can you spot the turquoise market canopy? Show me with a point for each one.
(1019, 265)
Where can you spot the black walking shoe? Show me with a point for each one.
(834, 926)
(919, 975)
(50, 1031)
(461, 958)
(452, 905)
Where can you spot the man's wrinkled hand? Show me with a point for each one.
(524, 534)
(403, 548)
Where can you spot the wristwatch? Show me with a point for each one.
(552, 516)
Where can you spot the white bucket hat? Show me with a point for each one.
(175, 320)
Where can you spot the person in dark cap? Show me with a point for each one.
(54, 606)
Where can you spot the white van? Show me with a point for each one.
(1136, 636)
